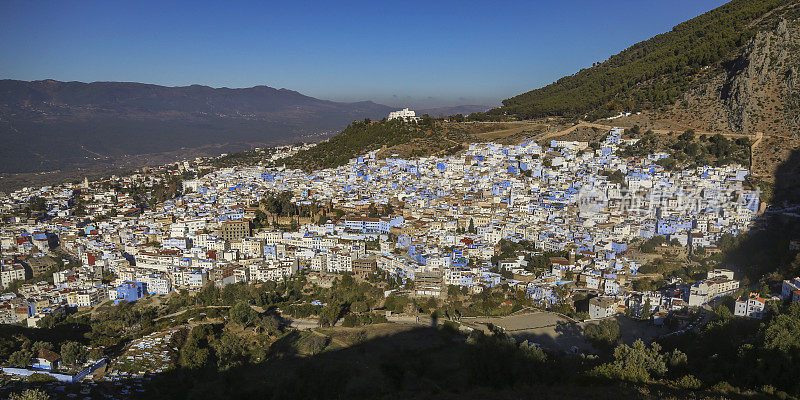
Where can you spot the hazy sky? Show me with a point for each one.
(418, 53)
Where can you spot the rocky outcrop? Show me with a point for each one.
(760, 90)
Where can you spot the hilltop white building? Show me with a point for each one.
(405, 114)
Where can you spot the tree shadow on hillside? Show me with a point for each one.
(770, 246)
(414, 363)
(58, 334)
(568, 328)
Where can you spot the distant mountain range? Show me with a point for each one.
(48, 125)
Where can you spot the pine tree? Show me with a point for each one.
(647, 310)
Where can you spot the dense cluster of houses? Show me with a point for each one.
(437, 221)
(48, 362)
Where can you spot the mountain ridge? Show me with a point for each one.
(730, 70)
(18, 93)
(652, 73)
(50, 125)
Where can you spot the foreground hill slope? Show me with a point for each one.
(733, 70)
(49, 125)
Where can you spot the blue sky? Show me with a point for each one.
(417, 53)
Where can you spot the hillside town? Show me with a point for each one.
(293, 200)
(575, 214)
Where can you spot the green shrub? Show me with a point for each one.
(725, 387)
(689, 382)
(37, 377)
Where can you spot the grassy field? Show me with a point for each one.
(559, 334)
(502, 130)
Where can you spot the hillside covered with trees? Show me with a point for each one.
(649, 74)
(425, 137)
(357, 138)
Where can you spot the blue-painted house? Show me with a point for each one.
(130, 291)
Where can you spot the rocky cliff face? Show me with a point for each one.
(755, 92)
(760, 89)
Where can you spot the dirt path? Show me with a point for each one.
(334, 340)
(548, 135)
(175, 314)
(759, 137)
